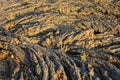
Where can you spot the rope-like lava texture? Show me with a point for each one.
(60, 40)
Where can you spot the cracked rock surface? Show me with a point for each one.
(59, 40)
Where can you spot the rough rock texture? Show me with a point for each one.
(60, 39)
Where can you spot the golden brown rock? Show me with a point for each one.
(59, 39)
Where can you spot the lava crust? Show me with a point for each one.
(60, 40)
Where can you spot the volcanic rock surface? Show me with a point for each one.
(59, 39)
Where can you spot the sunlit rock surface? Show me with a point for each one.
(60, 39)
